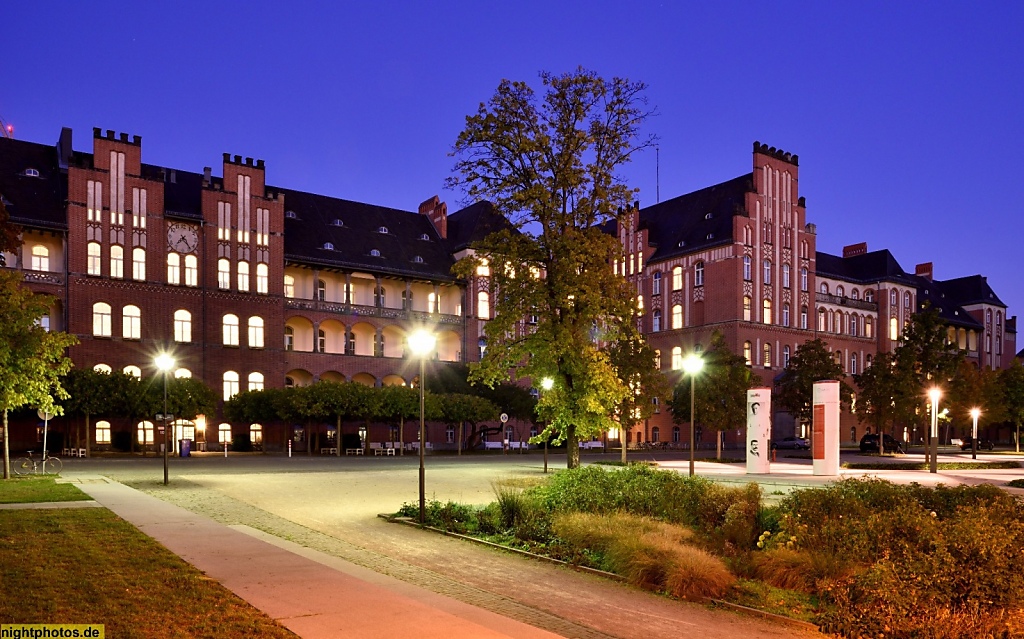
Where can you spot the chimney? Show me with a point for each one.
(437, 212)
(64, 150)
(855, 249)
(924, 270)
(207, 174)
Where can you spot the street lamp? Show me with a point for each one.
(546, 384)
(165, 362)
(691, 366)
(422, 343)
(934, 394)
(975, 413)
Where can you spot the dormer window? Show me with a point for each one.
(418, 259)
(711, 236)
(338, 222)
(383, 230)
(32, 172)
(291, 215)
(682, 243)
(708, 216)
(425, 237)
(374, 253)
(328, 246)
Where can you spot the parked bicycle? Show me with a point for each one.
(46, 465)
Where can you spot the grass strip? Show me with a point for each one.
(31, 490)
(89, 566)
(941, 466)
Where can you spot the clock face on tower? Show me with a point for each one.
(182, 238)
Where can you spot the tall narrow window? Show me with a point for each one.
(656, 320)
(785, 314)
(94, 265)
(230, 388)
(656, 283)
(432, 306)
(677, 316)
(894, 329)
(230, 326)
(262, 278)
(41, 258)
(821, 320)
(746, 268)
(289, 286)
(321, 290)
(483, 305)
(785, 356)
(255, 332)
(223, 274)
(101, 319)
(657, 359)
(483, 269)
(243, 276)
(803, 317)
(867, 327)
(853, 364)
(698, 274)
(131, 322)
(785, 275)
(289, 338)
(767, 355)
(173, 269)
(747, 308)
(117, 261)
(677, 278)
(766, 314)
(103, 432)
(255, 381)
(677, 358)
(748, 352)
(182, 326)
(139, 264)
(767, 272)
(191, 270)
(321, 341)
(803, 279)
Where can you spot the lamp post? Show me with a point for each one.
(164, 362)
(691, 366)
(934, 394)
(975, 413)
(422, 343)
(547, 384)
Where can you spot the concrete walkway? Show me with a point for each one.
(312, 594)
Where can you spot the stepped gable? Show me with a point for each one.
(310, 222)
(32, 200)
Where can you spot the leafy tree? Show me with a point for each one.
(459, 409)
(249, 407)
(90, 392)
(10, 234)
(188, 397)
(32, 360)
(135, 399)
(401, 403)
(720, 392)
(880, 385)
(634, 363)
(1012, 381)
(812, 362)
(551, 166)
(972, 387)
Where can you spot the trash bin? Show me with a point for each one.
(186, 447)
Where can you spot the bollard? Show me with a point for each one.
(225, 450)
(289, 448)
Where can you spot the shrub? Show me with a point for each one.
(450, 516)
(1016, 483)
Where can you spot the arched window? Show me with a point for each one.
(840, 291)
(144, 432)
(803, 279)
(838, 326)
(824, 288)
(677, 316)
(483, 305)
(785, 314)
(321, 341)
(867, 361)
(289, 286)
(767, 271)
(677, 278)
(894, 329)
(893, 297)
(483, 269)
(748, 352)
(853, 364)
(822, 322)
(262, 279)
(766, 314)
(381, 297)
(101, 321)
(102, 368)
(746, 268)
(748, 304)
(256, 434)
(767, 355)
(656, 283)
(698, 274)
(243, 276)
(785, 275)
(182, 373)
(255, 332)
(803, 317)
(655, 434)
(854, 320)
(867, 327)
(656, 320)
(224, 434)
(94, 265)
(173, 269)
(289, 338)
(785, 356)
(41, 258)
(230, 325)
(191, 270)
(255, 381)
(869, 296)
(117, 261)
(134, 371)
(432, 303)
(139, 264)
(223, 274)
(182, 326)
(854, 294)
(677, 358)
(230, 384)
(103, 432)
(675, 434)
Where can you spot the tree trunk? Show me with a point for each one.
(88, 438)
(401, 435)
(337, 437)
(572, 448)
(7, 450)
(459, 444)
(622, 440)
(718, 443)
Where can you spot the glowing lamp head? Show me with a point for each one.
(422, 343)
(934, 394)
(693, 364)
(975, 413)
(164, 362)
(547, 383)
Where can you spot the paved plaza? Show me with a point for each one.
(300, 538)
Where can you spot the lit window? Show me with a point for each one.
(255, 381)
(747, 308)
(230, 385)
(640, 304)
(785, 275)
(483, 305)
(767, 355)
(677, 316)
(191, 270)
(256, 434)
(746, 268)
(224, 430)
(131, 322)
(173, 269)
(101, 319)
(748, 352)
(102, 368)
(139, 264)
(223, 274)
(483, 269)
(657, 359)
(656, 284)
(894, 329)
(134, 371)
(677, 278)
(182, 326)
(262, 278)
(656, 320)
(117, 261)
(243, 276)
(103, 432)
(677, 358)
(838, 322)
(698, 274)
(383, 230)
(230, 330)
(822, 321)
(255, 332)
(144, 433)
(766, 314)
(289, 286)
(432, 306)
(767, 272)
(41, 258)
(867, 327)
(182, 373)
(94, 265)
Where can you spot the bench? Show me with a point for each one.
(493, 446)
(328, 451)
(379, 449)
(353, 451)
(73, 452)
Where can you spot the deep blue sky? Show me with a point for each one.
(908, 117)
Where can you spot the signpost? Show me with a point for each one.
(46, 417)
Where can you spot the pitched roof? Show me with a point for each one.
(933, 294)
(32, 200)
(875, 266)
(973, 289)
(474, 223)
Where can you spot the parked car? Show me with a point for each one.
(793, 443)
(983, 444)
(869, 444)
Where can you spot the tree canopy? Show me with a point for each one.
(550, 164)
(10, 234)
(634, 362)
(811, 362)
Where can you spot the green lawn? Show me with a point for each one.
(89, 566)
(24, 490)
